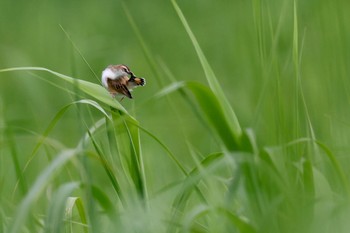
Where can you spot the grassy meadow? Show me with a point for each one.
(243, 125)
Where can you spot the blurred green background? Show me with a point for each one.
(249, 45)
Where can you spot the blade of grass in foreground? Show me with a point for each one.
(213, 111)
(58, 116)
(78, 203)
(238, 223)
(92, 89)
(189, 185)
(192, 180)
(229, 114)
(51, 126)
(112, 177)
(23, 210)
(15, 158)
(56, 209)
(170, 154)
(129, 149)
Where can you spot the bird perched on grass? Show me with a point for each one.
(119, 79)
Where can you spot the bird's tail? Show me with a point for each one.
(139, 81)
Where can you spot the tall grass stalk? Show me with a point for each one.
(229, 114)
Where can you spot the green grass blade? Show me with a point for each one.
(3, 217)
(341, 176)
(127, 137)
(171, 155)
(238, 223)
(211, 78)
(241, 224)
(56, 210)
(51, 126)
(144, 47)
(23, 210)
(103, 199)
(134, 136)
(79, 52)
(295, 37)
(70, 204)
(190, 185)
(109, 171)
(92, 89)
(15, 158)
(212, 109)
(60, 114)
(297, 69)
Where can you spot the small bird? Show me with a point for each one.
(115, 78)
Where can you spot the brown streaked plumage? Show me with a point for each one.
(115, 78)
(120, 86)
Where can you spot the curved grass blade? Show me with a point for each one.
(195, 175)
(171, 155)
(344, 184)
(211, 78)
(92, 89)
(134, 136)
(190, 184)
(342, 178)
(128, 143)
(212, 109)
(240, 224)
(79, 52)
(3, 222)
(112, 177)
(104, 201)
(56, 210)
(144, 47)
(59, 115)
(21, 181)
(23, 211)
(52, 124)
(70, 204)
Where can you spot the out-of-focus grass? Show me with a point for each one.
(242, 126)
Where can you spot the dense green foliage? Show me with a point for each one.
(242, 126)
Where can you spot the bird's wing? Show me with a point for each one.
(119, 86)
